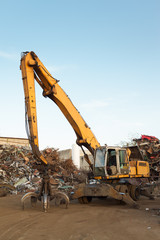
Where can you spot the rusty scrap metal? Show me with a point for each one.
(150, 150)
(20, 170)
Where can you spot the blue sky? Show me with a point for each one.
(106, 55)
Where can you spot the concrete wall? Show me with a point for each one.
(65, 154)
(14, 141)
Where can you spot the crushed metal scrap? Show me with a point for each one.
(150, 149)
(20, 171)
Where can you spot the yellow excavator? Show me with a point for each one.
(116, 171)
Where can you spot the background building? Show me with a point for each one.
(77, 156)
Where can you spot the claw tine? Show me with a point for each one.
(28, 195)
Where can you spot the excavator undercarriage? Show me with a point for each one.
(126, 193)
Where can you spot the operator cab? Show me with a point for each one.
(111, 161)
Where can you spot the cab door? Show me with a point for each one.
(100, 162)
(111, 164)
(123, 162)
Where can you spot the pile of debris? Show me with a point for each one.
(150, 149)
(21, 172)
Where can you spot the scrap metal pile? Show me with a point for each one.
(20, 172)
(150, 149)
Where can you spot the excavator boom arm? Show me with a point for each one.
(33, 69)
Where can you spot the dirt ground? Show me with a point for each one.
(100, 220)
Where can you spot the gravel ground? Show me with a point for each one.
(102, 219)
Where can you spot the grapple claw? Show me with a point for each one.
(45, 194)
